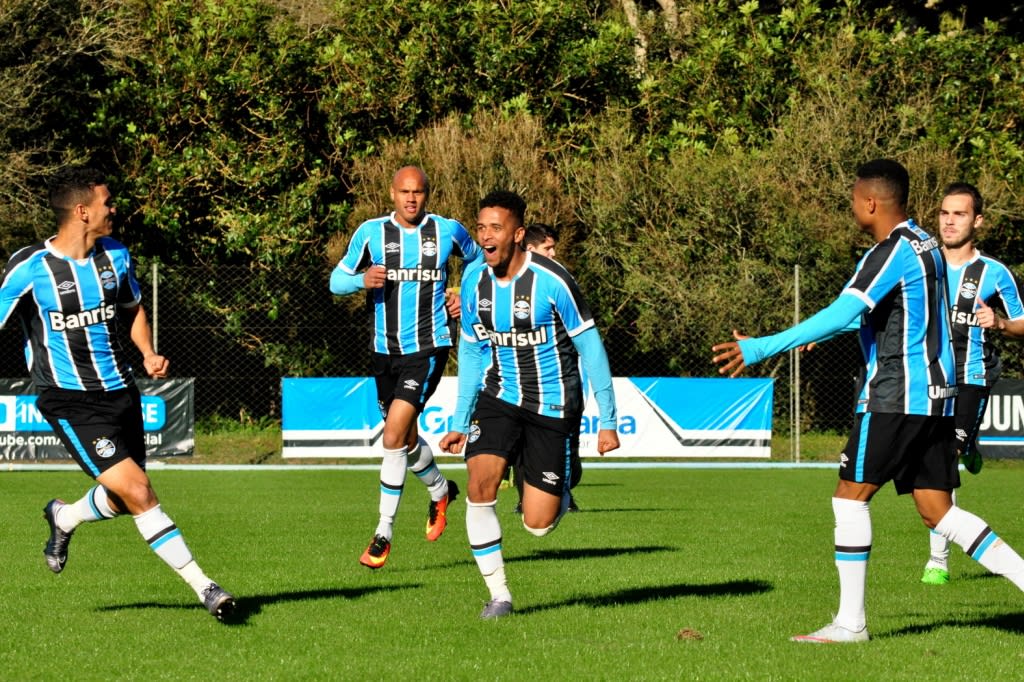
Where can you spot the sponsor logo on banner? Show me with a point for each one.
(166, 410)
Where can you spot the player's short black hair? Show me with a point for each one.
(503, 198)
(538, 233)
(72, 186)
(968, 189)
(890, 174)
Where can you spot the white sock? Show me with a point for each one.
(392, 480)
(938, 556)
(853, 548)
(484, 531)
(165, 539)
(421, 463)
(94, 506)
(982, 544)
(938, 547)
(195, 577)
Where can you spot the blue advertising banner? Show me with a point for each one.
(168, 417)
(657, 417)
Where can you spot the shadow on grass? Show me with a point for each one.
(615, 510)
(1007, 622)
(640, 595)
(587, 553)
(248, 606)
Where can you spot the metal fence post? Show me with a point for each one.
(155, 318)
(794, 387)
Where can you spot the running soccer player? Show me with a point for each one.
(543, 239)
(401, 260)
(527, 314)
(903, 427)
(978, 284)
(71, 292)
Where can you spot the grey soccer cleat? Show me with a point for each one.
(496, 608)
(218, 601)
(56, 551)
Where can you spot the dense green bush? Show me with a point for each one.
(690, 177)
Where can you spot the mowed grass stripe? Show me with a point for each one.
(664, 574)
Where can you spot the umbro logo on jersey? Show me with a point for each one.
(392, 247)
(412, 384)
(550, 477)
(66, 288)
(485, 304)
(843, 459)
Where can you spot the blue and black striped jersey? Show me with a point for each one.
(987, 279)
(905, 334)
(528, 323)
(408, 314)
(69, 313)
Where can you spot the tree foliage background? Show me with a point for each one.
(692, 153)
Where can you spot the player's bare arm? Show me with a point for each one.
(142, 336)
(988, 318)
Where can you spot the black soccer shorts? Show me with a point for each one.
(412, 378)
(98, 428)
(914, 451)
(544, 449)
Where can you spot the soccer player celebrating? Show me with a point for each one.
(543, 239)
(977, 285)
(71, 293)
(903, 427)
(401, 260)
(527, 313)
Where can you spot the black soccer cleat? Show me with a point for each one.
(56, 551)
(218, 601)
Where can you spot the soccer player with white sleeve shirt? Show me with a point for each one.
(903, 427)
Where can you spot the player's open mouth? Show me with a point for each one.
(490, 249)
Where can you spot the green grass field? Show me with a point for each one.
(736, 560)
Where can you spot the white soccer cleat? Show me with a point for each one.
(833, 634)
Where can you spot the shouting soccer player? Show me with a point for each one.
(528, 314)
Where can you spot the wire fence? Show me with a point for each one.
(238, 333)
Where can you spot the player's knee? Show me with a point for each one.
(539, 532)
